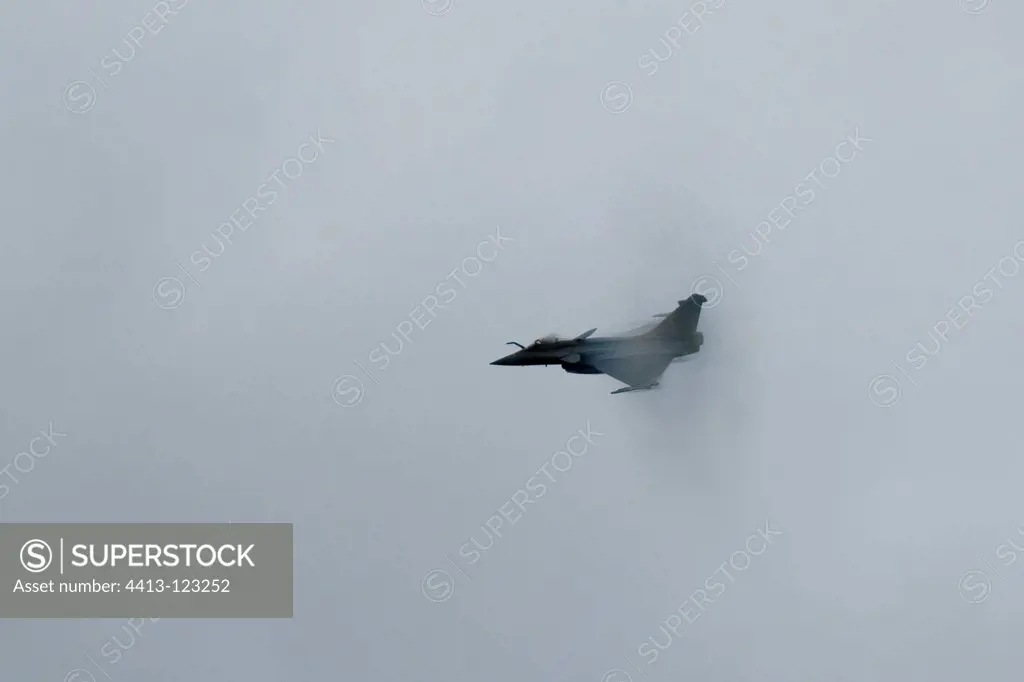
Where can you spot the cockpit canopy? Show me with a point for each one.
(550, 338)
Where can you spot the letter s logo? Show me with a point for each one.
(975, 586)
(438, 586)
(36, 556)
(169, 293)
(79, 97)
(345, 387)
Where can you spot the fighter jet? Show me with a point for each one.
(637, 360)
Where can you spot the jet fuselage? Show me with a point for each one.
(574, 356)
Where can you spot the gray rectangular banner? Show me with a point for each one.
(155, 570)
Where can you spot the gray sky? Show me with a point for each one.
(613, 190)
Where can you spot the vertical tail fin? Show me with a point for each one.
(681, 323)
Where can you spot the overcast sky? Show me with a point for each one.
(622, 155)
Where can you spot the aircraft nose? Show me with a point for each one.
(509, 360)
